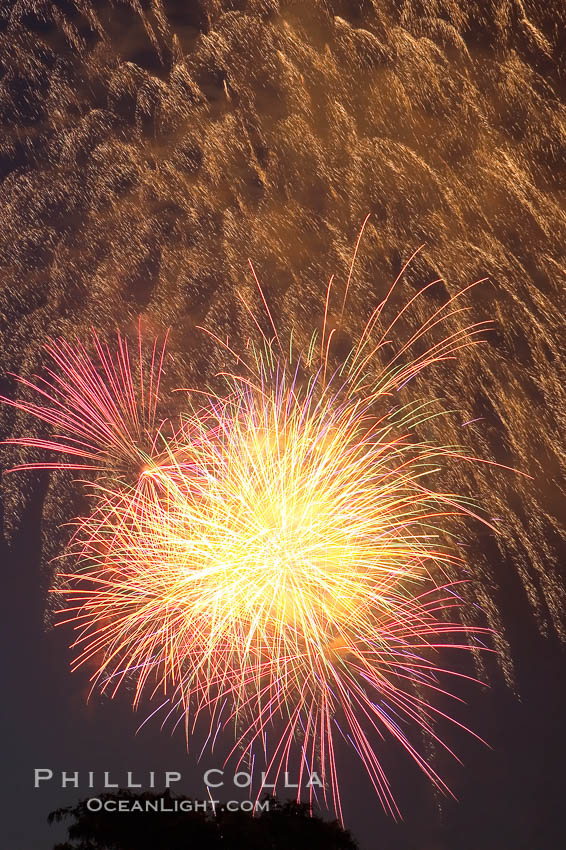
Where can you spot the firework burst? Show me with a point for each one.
(103, 407)
(284, 564)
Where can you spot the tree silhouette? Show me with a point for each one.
(281, 826)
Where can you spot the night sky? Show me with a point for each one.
(147, 151)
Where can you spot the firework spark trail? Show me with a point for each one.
(107, 419)
(282, 559)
